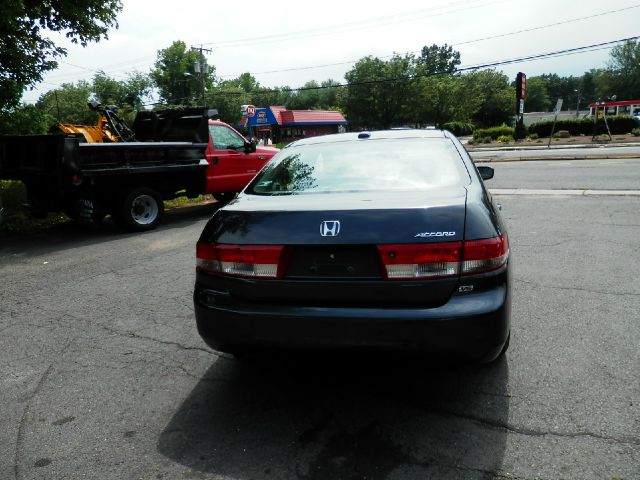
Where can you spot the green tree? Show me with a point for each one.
(444, 98)
(308, 97)
(27, 51)
(381, 93)
(331, 96)
(438, 59)
(537, 95)
(176, 78)
(227, 98)
(25, 120)
(624, 69)
(68, 104)
(122, 93)
(495, 95)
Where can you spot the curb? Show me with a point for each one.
(551, 158)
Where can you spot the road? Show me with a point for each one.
(103, 376)
(615, 174)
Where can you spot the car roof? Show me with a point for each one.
(374, 135)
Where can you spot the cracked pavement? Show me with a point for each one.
(103, 375)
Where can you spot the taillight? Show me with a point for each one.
(257, 261)
(441, 260)
(485, 255)
(426, 260)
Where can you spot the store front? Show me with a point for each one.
(277, 124)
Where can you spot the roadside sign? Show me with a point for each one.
(521, 86)
(521, 107)
(558, 106)
(251, 111)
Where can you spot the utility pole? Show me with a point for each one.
(202, 68)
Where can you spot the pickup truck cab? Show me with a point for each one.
(233, 161)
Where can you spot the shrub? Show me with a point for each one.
(533, 136)
(459, 128)
(520, 131)
(493, 132)
(486, 139)
(636, 132)
(505, 138)
(585, 126)
(562, 134)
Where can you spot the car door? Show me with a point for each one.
(230, 166)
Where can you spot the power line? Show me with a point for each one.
(492, 64)
(467, 42)
(353, 26)
(413, 13)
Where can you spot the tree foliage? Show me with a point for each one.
(381, 93)
(26, 51)
(176, 78)
(68, 104)
(538, 99)
(624, 71)
(438, 59)
(25, 120)
(128, 94)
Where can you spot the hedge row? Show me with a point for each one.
(493, 132)
(459, 129)
(584, 126)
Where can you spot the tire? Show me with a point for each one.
(139, 209)
(224, 197)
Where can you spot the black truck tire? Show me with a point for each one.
(138, 209)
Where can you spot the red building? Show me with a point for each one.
(281, 125)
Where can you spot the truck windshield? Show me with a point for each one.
(385, 164)
(224, 138)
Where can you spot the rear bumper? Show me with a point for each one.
(473, 325)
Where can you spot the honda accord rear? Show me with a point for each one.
(375, 240)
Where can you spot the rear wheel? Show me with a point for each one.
(139, 209)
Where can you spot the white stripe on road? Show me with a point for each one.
(530, 191)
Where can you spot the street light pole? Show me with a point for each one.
(578, 103)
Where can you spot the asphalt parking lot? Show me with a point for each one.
(103, 375)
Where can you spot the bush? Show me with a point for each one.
(505, 138)
(493, 132)
(533, 136)
(636, 132)
(520, 130)
(459, 129)
(562, 134)
(486, 139)
(584, 126)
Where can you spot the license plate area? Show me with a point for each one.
(334, 261)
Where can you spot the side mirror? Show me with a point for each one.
(250, 146)
(486, 173)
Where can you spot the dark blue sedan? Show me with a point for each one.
(374, 240)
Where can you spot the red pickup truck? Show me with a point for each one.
(176, 153)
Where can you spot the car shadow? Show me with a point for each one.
(73, 234)
(345, 417)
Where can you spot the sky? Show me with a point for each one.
(285, 42)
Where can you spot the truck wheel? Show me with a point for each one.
(224, 197)
(139, 209)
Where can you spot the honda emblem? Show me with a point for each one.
(330, 228)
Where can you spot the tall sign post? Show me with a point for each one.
(521, 93)
(556, 112)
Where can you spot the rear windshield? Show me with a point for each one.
(385, 164)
